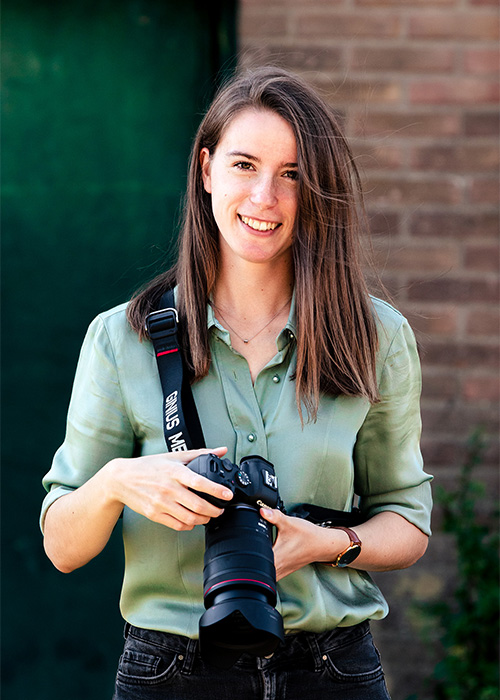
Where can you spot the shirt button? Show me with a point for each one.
(251, 437)
(276, 379)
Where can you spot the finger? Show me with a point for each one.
(182, 522)
(199, 506)
(189, 455)
(197, 482)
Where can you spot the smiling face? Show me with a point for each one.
(252, 178)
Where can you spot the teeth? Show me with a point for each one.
(259, 225)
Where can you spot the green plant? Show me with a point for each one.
(469, 624)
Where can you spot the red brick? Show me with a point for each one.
(414, 258)
(294, 58)
(455, 26)
(481, 388)
(460, 158)
(454, 290)
(483, 190)
(284, 5)
(348, 25)
(381, 223)
(439, 385)
(404, 58)
(483, 258)
(377, 157)
(454, 225)
(454, 91)
(482, 61)
(482, 124)
(406, 125)
(459, 420)
(453, 354)
(436, 321)
(263, 24)
(485, 322)
(438, 451)
(358, 91)
(413, 3)
(404, 191)
(392, 285)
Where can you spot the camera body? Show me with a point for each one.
(252, 482)
(239, 578)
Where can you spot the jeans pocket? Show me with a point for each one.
(142, 667)
(356, 661)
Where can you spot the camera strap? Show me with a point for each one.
(179, 408)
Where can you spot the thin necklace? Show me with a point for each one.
(247, 340)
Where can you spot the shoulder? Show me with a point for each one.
(115, 319)
(112, 328)
(387, 317)
(395, 335)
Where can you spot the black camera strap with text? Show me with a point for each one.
(179, 408)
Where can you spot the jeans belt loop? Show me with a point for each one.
(189, 656)
(315, 651)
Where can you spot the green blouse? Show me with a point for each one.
(352, 448)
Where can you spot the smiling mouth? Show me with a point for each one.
(259, 225)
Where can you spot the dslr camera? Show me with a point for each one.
(239, 578)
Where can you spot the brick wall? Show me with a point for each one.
(417, 85)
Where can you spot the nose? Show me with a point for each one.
(263, 193)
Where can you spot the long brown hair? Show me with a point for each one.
(336, 332)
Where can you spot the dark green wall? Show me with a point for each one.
(100, 102)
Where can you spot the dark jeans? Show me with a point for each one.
(342, 664)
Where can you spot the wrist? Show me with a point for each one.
(112, 483)
(350, 552)
(331, 543)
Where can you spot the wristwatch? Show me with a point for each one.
(353, 550)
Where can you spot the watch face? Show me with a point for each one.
(349, 556)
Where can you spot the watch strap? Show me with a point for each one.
(350, 553)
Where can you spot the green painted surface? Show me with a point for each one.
(100, 102)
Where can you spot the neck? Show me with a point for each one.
(254, 291)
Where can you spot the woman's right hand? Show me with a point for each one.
(159, 487)
(79, 524)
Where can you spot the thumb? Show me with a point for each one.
(272, 516)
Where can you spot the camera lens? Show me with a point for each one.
(239, 588)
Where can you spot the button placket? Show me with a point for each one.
(241, 402)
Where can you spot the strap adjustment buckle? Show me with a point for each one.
(162, 324)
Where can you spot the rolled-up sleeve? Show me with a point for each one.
(98, 428)
(388, 461)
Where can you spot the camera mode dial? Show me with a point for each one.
(243, 479)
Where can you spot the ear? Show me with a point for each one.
(205, 169)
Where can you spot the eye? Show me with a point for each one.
(291, 174)
(243, 165)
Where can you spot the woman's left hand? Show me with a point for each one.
(389, 542)
(300, 542)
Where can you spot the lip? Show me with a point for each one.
(276, 224)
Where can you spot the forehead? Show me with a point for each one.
(261, 129)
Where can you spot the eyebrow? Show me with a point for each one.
(240, 154)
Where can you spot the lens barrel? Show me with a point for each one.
(239, 588)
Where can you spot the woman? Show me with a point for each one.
(292, 360)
